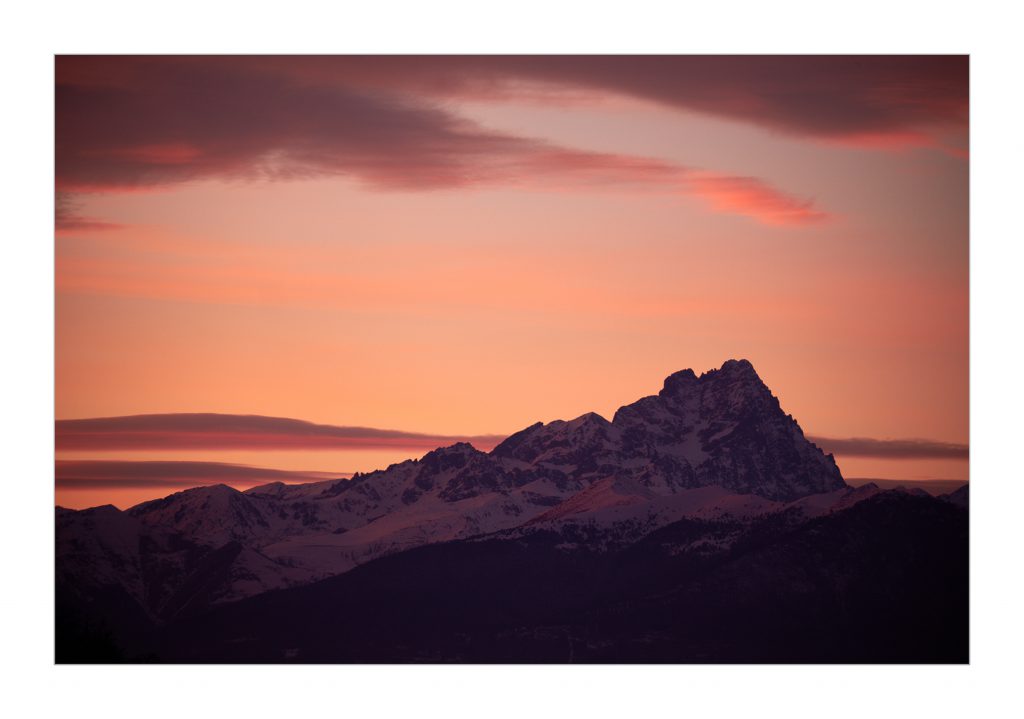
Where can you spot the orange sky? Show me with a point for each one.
(460, 251)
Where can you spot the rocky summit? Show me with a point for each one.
(723, 428)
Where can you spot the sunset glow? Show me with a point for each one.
(407, 252)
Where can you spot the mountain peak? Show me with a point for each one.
(591, 418)
(458, 448)
(732, 370)
(724, 428)
(735, 369)
(738, 364)
(678, 382)
(453, 457)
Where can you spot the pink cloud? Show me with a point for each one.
(841, 97)
(208, 431)
(136, 123)
(68, 219)
(231, 431)
(892, 448)
(121, 474)
(751, 197)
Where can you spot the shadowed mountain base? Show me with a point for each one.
(885, 581)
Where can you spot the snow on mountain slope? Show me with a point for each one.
(234, 572)
(429, 520)
(723, 428)
(216, 514)
(100, 546)
(714, 445)
(616, 512)
(161, 569)
(606, 494)
(329, 527)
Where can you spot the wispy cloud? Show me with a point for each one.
(212, 431)
(68, 218)
(127, 123)
(892, 448)
(752, 197)
(871, 100)
(234, 431)
(104, 474)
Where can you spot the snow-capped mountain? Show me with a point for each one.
(724, 428)
(714, 445)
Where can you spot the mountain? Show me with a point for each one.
(959, 497)
(714, 454)
(882, 581)
(723, 428)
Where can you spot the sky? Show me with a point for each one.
(303, 267)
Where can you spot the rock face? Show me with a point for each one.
(723, 428)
